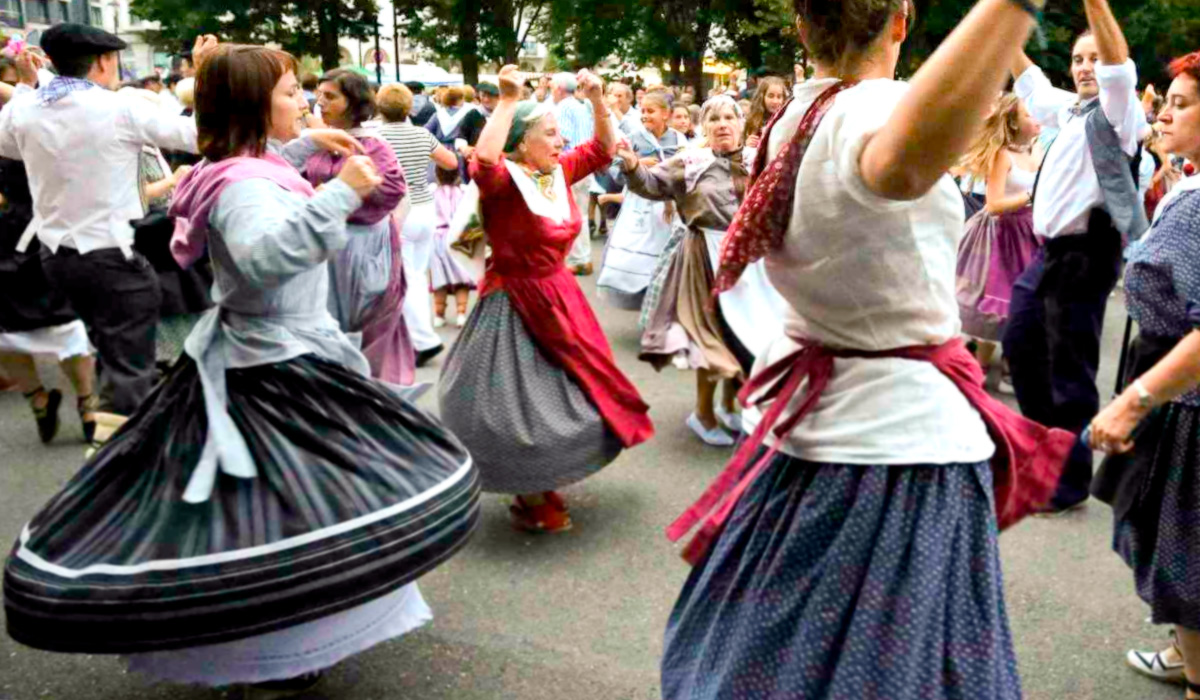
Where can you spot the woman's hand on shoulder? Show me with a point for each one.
(360, 174)
(335, 141)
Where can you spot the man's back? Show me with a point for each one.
(81, 153)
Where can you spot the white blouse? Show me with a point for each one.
(860, 271)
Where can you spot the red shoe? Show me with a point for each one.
(548, 517)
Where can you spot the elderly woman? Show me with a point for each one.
(415, 149)
(849, 550)
(1152, 477)
(367, 282)
(681, 324)
(265, 514)
(531, 386)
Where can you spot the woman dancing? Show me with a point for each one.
(531, 386)
(999, 243)
(854, 554)
(681, 324)
(367, 281)
(1152, 480)
(264, 513)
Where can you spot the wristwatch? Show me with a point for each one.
(1145, 398)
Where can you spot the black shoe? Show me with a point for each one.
(84, 405)
(47, 417)
(424, 356)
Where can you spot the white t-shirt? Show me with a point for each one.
(860, 271)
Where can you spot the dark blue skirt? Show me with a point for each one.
(848, 581)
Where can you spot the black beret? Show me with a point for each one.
(67, 41)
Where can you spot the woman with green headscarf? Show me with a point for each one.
(531, 386)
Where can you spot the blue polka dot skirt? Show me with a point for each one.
(848, 581)
(1157, 537)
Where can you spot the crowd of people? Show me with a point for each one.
(240, 268)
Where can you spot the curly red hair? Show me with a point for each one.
(1186, 65)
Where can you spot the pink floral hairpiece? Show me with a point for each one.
(14, 47)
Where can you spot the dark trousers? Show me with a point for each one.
(1052, 341)
(118, 300)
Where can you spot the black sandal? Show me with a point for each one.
(85, 405)
(47, 416)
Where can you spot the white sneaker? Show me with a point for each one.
(717, 437)
(439, 322)
(460, 320)
(731, 421)
(1155, 665)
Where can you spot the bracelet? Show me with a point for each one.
(1028, 5)
(1145, 398)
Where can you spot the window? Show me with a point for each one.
(64, 11)
(10, 13)
(97, 16)
(43, 12)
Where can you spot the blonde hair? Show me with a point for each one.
(1000, 131)
(185, 92)
(468, 93)
(394, 101)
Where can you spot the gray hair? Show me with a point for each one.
(565, 81)
(713, 104)
(617, 85)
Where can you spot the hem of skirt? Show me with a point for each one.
(555, 484)
(402, 622)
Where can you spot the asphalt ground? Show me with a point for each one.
(580, 616)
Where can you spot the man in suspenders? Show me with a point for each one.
(1086, 207)
(80, 142)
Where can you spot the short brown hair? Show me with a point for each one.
(453, 96)
(233, 98)
(838, 33)
(394, 101)
(360, 98)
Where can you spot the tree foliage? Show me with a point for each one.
(299, 26)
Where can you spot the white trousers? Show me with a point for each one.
(417, 243)
(581, 250)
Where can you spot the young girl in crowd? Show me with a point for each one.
(446, 275)
(772, 93)
(681, 121)
(643, 227)
(999, 241)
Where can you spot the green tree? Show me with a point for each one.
(473, 32)
(299, 26)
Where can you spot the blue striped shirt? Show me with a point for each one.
(576, 122)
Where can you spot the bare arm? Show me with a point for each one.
(997, 184)
(1110, 40)
(936, 120)
(1021, 63)
(444, 158)
(593, 86)
(489, 150)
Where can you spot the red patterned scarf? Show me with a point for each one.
(761, 222)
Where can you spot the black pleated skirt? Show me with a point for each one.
(357, 493)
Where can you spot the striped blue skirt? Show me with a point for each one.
(848, 581)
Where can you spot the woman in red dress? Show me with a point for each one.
(531, 386)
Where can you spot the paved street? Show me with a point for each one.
(580, 616)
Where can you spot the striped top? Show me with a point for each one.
(412, 145)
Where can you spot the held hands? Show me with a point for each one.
(180, 173)
(203, 49)
(511, 79)
(28, 65)
(628, 157)
(359, 172)
(336, 141)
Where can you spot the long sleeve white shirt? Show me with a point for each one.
(1068, 189)
(81, 155)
